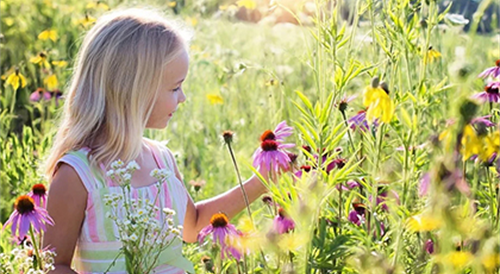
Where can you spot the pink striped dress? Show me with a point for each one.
(98, 244)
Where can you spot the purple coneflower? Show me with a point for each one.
(304, 168)
(357, 216)
(425, 182)
(348, 186)
(485, 120)
(40, 93)
(222, 232)
(282, 223)
(493, 71)
(27, 214)
(490, 93)
(39, 195)
(282, 131)
(272, 155)
(359, 121)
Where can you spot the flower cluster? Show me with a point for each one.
(144, 230)
(29, 218)
(376, 98)
(22, 259)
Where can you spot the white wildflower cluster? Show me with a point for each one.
(24, 260)
(142, 234)
(121, 173)
(161, 174)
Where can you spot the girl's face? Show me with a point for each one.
(170, 93)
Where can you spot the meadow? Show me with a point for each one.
(410, 186)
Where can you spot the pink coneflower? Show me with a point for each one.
(272, 155)
(383, 195)
(493, 71)
(282, 223)
(27, 214)
(485, 120)
(425, 183)
(359, 121)
(40, 93)
(348, 186)
(282, 131)
(490, 93)
(304, 168)
(39, 195)
(222, 231)
(357, 216)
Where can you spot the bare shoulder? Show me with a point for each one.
(66, 182)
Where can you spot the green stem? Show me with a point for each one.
(247, 204)
(35, 246)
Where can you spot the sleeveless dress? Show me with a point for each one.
(98, 244)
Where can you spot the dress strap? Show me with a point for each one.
(79, 162)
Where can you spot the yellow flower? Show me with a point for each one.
(223, 7)
(97, 5)
(15, 79)
(9, 21)
(459, 258)
(172, 4)
(41, 59)
(51, 82)
(491, 145)
(432, 55)
(248, 4)
(48, 34)
(471, 144)
(376, 98)
(192, 21)
(86, 21)
(60, 64)
(291, 241)
(422, 222)
(215, 99)
(245, 225)
(491, 262)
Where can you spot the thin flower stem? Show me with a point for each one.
(348, 131)
(35, 246)
(240, 181)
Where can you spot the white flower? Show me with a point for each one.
(133, 237)
(110, 173)
(133, 166)
(117, 164)
(127, 177)
(169, 211)
(176, 231)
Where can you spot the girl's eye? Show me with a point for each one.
(177, 89)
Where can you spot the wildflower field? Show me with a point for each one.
(392, 107)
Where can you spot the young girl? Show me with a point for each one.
(128, 77)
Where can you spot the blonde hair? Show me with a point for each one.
(116, 78)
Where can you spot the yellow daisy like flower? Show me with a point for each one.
(51, 82)
(291, 241)
(41, 59)
(471, 144)
(97, 5)
(86, 21)
(459, 258)
(379, 103)
(422, 222)
(16, 79)
(60, 64)
(432, 55)
(215, 99)
(491, 262)
(172, 4)
(491, 145)
(48, 34)
(192, 21)
(248, 4)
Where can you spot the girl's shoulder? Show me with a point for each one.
(161, 148)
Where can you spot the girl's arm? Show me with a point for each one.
(66, 205)
(231, 203)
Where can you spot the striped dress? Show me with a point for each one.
(98, 244)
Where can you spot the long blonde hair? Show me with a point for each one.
(116, 78)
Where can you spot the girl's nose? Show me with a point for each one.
(182, 97)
